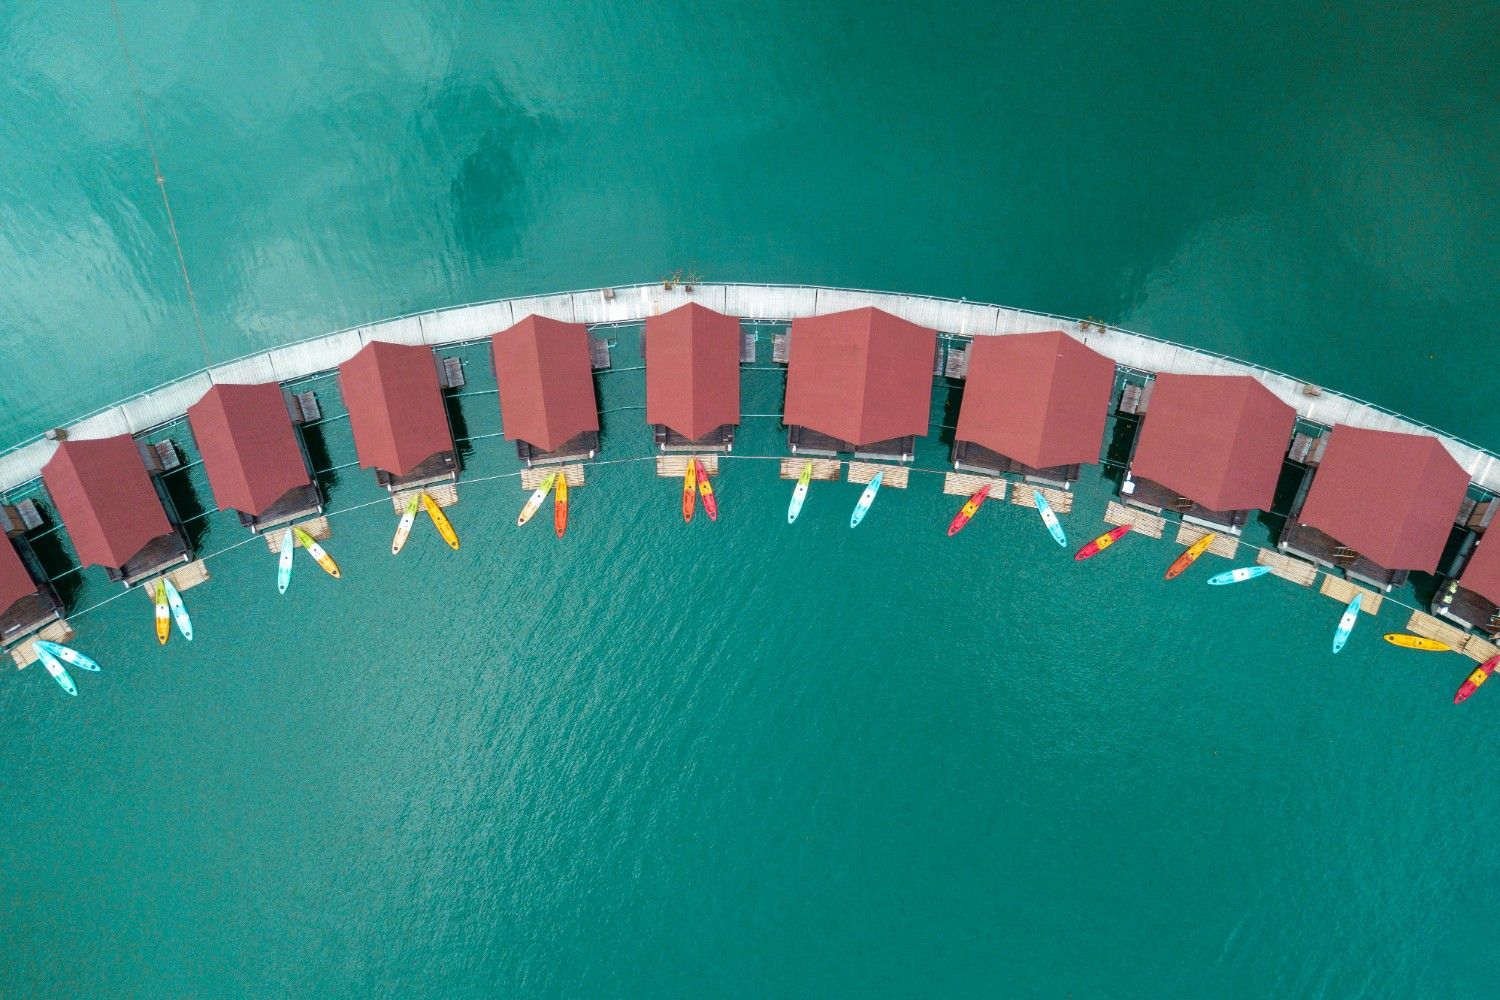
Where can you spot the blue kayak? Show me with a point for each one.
(71, 657)
(1049, 518)
(55, 668)
(865, 499)
(179, 610)
(1239, 575)
(284, 565)
(1346, 623)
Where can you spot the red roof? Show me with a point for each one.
(15, 579)
(1041, 399)
(1482, 574)
(860, 376)
(546, 382)
(395, 406)
(249, 446)
(1390, 497)
(692, 370)
(106, 499)
(1218, 440)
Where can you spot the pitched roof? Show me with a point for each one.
(249, 446)
(15, 579)
(1390, 497)
(106, 499)
(692, 370)
(860, 376)
(395, 407)
(546, 381)
(1482, 573)
(1218, 440)
(1041, 399)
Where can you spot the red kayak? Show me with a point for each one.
(1478, 677)
(967, 510)
(1101, 543)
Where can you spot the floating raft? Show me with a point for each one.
(1471, 646)
(445, 495)
(824, 469)
(863, 472)
(1024, 495)
(318, 528)
(1299, 571)
(1147, 524)
(532, 478)
(963, 484)
(1224, 544)
(675, 466)
(25, 654)
(187, 577)
(1343, 591)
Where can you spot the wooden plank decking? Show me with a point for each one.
(963, 484)
(532, 478)
(24, 654)
(1024, 495)
(824, 469)
(675, 466)
(317, 527)
(1299, 571)
(1224, 545)
(1147, 524)
(444, 495)
(1462, 642)
(189, 576)
(862, 472)
(1343, 591)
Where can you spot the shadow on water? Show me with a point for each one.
(953, 400)
(55, 557)
(191, 511)
(1120, 444)
(459, 425)
(319, 457)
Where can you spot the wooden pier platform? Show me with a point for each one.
(187, 577)
(1343, 591)
(317, 527)
(1298, 571)
(1462, 642)
(963, 484)
(1224, 545)
(1024, 495)
(824, 469)
(862, 472)
(532, 478)
(675, 466)
(24, 653)
(444, 495)
(1147, 524)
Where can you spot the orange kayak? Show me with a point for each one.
(1101, 543)
(1190, 555)
(706, 490)
(1478, 677)
(163, 614)
(560, 506)
(968, 510)
(689, 490)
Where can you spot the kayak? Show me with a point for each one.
(689, 491)
(68, 655)
(1049, 518)
(706, 491)
(315, 550)
(968, 510)
(1190, 555)
(539, 494)
(1239, 575)
(440, 521)
(56, 670)
(1417, 642)
(1478, 677)
(799, 495)
(1101, 543)
(403, 530)
(284, 564)
(865, 499)
(1346, 623)
(163, 615)
(179, 610)
(560, 506)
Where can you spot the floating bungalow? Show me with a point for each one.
(858, 381)
(1034, 404)
(116, 510)
(547, 402)
(254, 455)
(27, 602)
(1472, 598)
(1210, 447)
(398, 415)
(693, 379)
(1380, 504)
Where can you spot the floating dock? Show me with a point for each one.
(24, 652)
(1224, 545)
(1024, 495)
(1462, 642)
(532, 478)
(675, 466)
(1298, 571)
(443, 494)
(317, 527)
(825, 470)
(965, 484)
(1147, 524)
(1343, 591)
(895, 475)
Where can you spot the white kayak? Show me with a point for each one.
(866, 499)
(403, 530)
(179, 611)
(55, 668)
(1049, 518)
(1346, 623)
(1238, 575)
(284, 563)
(799, 495)
(71, 657)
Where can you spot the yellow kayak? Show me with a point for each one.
(316, 551)
(534, 504)
(1417, 642)
(440, 521)
(163, 613)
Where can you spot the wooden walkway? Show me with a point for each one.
(1224, 545)
(317, 527)
(1147, 524)
(532, 478)
(445, 495)
(187, 577)
(824, 469)
(24, 654)
(1472, 646)
(963, 484)
(1024, 495)
(675, 466)
(1299, 571)
(1343, 591)
(862, 472)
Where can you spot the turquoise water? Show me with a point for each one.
(741, 758)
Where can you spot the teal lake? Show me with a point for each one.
(742, 758)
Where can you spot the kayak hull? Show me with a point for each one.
(1418, 642)
(1101, 543)
(968, 510)
(706, 491)
(321, 557)
(560, 507)
(179, 610)
(689, 492)
(1347, 622)
(538, 496)
(68, 655)
(55, 668)
(440, 521)
(1049, 518)
(284, 562)
(403, 529)
(163, 615)
(1238, 575)
(799, 495)
(866, 499)
(1478, 677)
(1189, 557)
